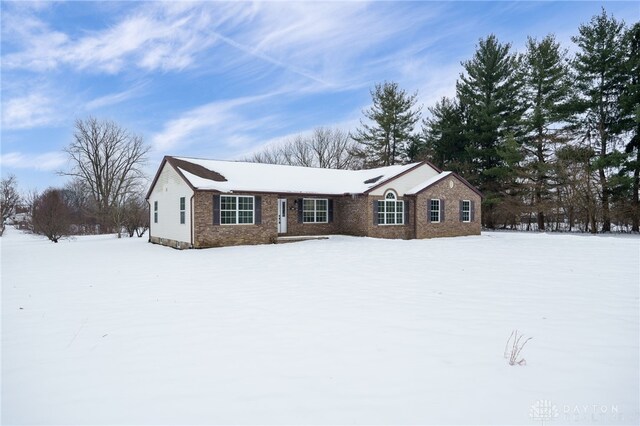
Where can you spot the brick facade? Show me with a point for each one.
(209, 235)
(295, 227)
(451, 190)
(352, 215)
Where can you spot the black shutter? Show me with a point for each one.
(406, 211)
(472, 211)
(375, 212)
(429, 210)
(258, 210)
(216, 209)
(460, 204)
(441, 210)
(300, 210)
(330, 211)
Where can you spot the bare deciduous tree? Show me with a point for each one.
(325, 147)
(51, 215)
(9, 199)
(108, 160)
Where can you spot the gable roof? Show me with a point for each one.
(238, 176)
(429, 183)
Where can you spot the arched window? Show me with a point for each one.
(390, 210)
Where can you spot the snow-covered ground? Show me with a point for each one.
(97, 330)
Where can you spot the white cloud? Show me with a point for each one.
(48, 161)
(329, 43)
(220, 122)
(152, 37)
(29, 111)
(112, 99)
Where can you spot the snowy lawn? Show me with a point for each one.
(97, 330)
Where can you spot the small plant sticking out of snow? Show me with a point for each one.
(514, 346)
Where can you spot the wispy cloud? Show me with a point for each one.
(329, 43)
(28, 111)
(48, 161)
(221, 123)
(112, 99)
(156, 36)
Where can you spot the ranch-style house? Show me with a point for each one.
(197, 203)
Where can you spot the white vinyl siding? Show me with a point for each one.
(408, 181)
(166, 212)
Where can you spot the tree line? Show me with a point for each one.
(551, 139)
(105, 193)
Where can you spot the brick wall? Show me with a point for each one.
(295, 228)
(209, 235)
(405, 231)
(353, 215)
(451, 190)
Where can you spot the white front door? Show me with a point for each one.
(282, 216)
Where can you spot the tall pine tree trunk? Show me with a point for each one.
(606, 216)
(635, 227)
(539, 182)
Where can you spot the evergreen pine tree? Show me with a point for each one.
(547, 90)
(490, 90)
(387, 140)
(631, 120)
(445, 140)
(600, 79)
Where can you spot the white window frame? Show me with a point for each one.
(155, 211)
(390, 198)
(315, 210)
(467, 211)
(237, 209)
(432, 210)
(183, 209)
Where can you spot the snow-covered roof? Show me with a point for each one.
(230, 176)
(428, 183)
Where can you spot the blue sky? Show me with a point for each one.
(221, 80)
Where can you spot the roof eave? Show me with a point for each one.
(386, 181)
(167, 160)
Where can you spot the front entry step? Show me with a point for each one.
(282, 240)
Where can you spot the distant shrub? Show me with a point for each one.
(51, 215)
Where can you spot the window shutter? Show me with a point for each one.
(300, 210)
(375, 212)
(441, 210)
(330, 211)
(472, 209)
(460, 209)
(216, 209)
(406, 211)
(429, 210)
(258, 210)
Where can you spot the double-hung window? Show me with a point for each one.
(236, 209)
(315, 210)
(182, 210)
(390, 210)
(466, 211)
(434, 211)
(155, 212)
